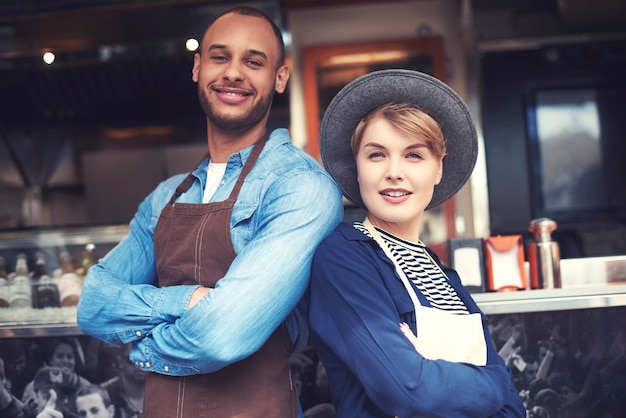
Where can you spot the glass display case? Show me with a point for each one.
(41, 347)
(565, 362)
(43, 300)
(565, 347)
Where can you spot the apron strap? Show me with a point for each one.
(256, 151)
(403, 278)
(182, 188)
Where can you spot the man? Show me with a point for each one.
(10, 405)
(126, 390)
(53, 390)
(94, 402)
(207, 292)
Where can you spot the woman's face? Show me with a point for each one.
(63, 357)
(397, 174)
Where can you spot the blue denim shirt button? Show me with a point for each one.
(138, 333)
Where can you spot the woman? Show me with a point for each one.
(374, 285)
(63, 356)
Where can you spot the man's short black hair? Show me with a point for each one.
(251, 11)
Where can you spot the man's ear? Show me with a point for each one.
(196, 67)
(282, 76)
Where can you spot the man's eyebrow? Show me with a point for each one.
(214, 47)
(257, 52)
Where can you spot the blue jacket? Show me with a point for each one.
(356, 304)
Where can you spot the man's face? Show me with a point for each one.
(530, 372)
(41, 399)
(17, 366)
(92, 406)
(130, 372)
(237, 72)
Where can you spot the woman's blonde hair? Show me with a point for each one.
(408, 118)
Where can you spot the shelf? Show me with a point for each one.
(47, 322)
(605, 279)
(491, 303)
(62, 237)
(551, 299)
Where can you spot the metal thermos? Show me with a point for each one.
(543, 255)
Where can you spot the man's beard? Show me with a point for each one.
(239, 123)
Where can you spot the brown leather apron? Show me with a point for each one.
(193, 246)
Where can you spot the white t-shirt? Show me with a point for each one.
(215, 172)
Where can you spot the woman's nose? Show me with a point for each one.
(394, 171)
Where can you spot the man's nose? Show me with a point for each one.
(233, 71)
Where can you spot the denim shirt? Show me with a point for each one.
(286, 206)
(357, 301)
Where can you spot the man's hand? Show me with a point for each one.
(49, 410)
(197, 295)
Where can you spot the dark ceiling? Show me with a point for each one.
(123, 61)
(117, 62)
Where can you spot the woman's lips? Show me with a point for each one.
(395, 195)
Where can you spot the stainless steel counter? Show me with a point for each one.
(593, 282)
(552, 299)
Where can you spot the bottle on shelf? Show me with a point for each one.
(5, 290)
(69, 283)
(88, 259)
(21, 293)
(543, 255)
(45, 291)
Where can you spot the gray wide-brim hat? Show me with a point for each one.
(366, 93)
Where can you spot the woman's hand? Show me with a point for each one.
(406, 330)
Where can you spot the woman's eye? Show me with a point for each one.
(375, 155)
(414, 155)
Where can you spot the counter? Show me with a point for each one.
(543, 300)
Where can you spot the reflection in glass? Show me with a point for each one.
(568, 128)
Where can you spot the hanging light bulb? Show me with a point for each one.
(191, 44)
(48, 57)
